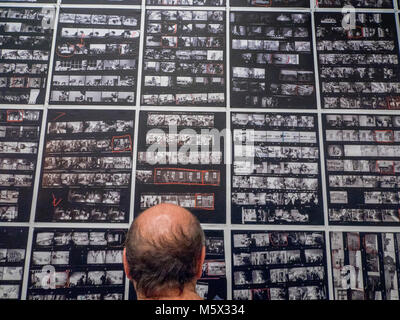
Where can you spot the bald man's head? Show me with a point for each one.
(163, 249)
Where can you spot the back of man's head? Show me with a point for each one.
(164, 251)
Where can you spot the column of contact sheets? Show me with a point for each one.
(293, 83)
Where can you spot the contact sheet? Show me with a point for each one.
(275, 122)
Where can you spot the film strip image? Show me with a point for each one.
(365, 265)
(19, 142)
(86, 166)
(270, 3)
(362, 155)
(377, 4)
(358, 68)
(212, 284)
(276, 175)
(277, 265)
(181, 161)
(96, 57)
(77, 264)
(13, 242)
(198, 3)
(184, 58)
(25, 41)
(271, 60)
(29, 1)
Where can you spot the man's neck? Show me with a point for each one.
(188, 293)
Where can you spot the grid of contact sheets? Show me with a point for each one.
(252, 104)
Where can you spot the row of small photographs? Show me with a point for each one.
(93, 96)
(364, 215)
(278, 183)
(353, 45)
(268, 151)
(283, 275)
(198, 201)
(114, 144)
(22, 54)
(352, 120)
(79, 238)
(185, 29)
(185, 15)
(112, 197)
(367, 198)
(362, 181)
(182, 138)
(292, 257)
(90, 126)
(278, 239)
(78, 279)
(252, 136)
(176, 176)
(18, 147)
(9, 291)
(280, 198)
(277, 215)
(246, 168)
(91, 213)
(16, 164)
(376, 136)
(183, 157)
(93, 81)
(57, 180)
(86, 163)
(43, 258)
(184, 120)
(372, 166)
(35, 42)
(19, 132)
(290, 293)
(16, 180)
(354, 150)
(99, 19)
(273, 120)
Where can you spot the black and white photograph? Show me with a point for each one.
(365, 265)
(86, 166)
(100, 2)
(83, 264)
(270, 3)
(271, 60)
(277, 265)
(13, 246)
(19, 143)
(25, 40)
(276, 169)
(362, 165)
(359, 67)
(181, 161)
(370, 4)
(96, 57)
(184, 58)
(195, 3)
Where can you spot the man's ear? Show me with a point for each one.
(201, 262)
(126, 268)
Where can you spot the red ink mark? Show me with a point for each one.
(61, 114)
(55, 203)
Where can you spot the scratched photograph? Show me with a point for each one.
(86, 166)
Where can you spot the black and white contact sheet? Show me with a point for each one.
(271, 60)
(184, 58)
(365, 265)
(276, 169)
(363, 168)
(274, 265)
(96, 57)
(77, 264)
(181, 161)
(87, 166)
(359, 67)
(19, 143)
(25, 42)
